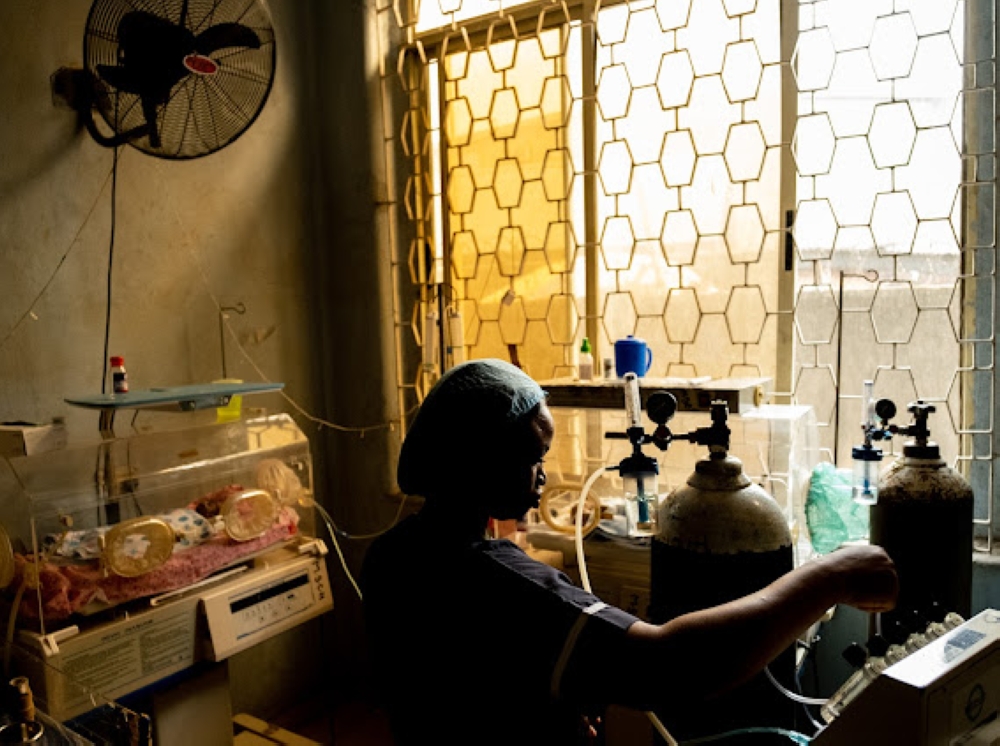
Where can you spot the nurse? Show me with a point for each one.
(474, 642)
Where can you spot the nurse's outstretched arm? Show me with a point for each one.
(706, 652)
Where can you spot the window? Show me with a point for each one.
(801, 190)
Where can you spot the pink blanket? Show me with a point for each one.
(65, 589)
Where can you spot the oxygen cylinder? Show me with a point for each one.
(923, 520)
(721, 537)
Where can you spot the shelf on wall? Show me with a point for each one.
(174, 398)
(692, 394)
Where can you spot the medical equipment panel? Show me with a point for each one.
(946, 693)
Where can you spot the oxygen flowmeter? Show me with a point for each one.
(640, 472)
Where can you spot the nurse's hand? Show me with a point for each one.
(865, 576)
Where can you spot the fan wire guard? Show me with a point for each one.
(202, 69)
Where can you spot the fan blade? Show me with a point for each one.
(140, 32)
(151, 52)
(226, 35)
(149, 110)
(123, 78)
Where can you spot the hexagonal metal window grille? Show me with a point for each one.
(642, 47)
(817, 386)
(741, 71)
(455, 54)
(504, 113)
(707, 34)
(612, 25)
(928, 183)
(894, 44)
(674, 79)
(813, 59)
(562, 319)
(813, 144)
(645, 116)
(855, 247)
(710, 194)
(673, 15)
(464, 255)
(744, 233)
(686, 177)
(815, 229)
(853, 93)
(745, 315)
(458, 122)
(613, 92)
(894, 312)
(513, 322)
(461, 189)
(739, 7)
(556, 102)
(816, 314)
(615, 167)
(892, 134)
(709, 115)
(678, 158)
(502, 53)
(852, 28)
(524, 77)
(560, 246)
(744, 152)
(510, 251)
(508, 183)
(617, 242)
(557, 172)
(712, 275)
(619, 315)
(932, 96)
(894, 223)
(681, 315)
(853, 182)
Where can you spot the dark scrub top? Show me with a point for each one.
(477, 643)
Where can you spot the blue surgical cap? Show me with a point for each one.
(470, 404)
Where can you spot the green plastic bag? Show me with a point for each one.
(832, 516)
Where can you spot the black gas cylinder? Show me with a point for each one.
(722, 537)
(923, 519)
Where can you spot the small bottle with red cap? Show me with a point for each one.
(119, 379)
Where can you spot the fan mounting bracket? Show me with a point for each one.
(74, 87)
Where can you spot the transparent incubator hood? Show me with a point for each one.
(90, 531)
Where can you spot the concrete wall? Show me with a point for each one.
(282, 221)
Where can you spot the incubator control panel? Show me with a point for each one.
(265, 602)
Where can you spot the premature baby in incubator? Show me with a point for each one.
(155, 554)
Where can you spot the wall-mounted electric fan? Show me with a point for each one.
(176, 79)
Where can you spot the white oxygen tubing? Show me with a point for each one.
(792, 695)
(581, 562)
(331, 529)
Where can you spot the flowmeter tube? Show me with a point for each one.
(633, 402)
(866, 457)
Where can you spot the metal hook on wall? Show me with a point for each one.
(239, 308)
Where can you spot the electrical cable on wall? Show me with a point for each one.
(111, 262)
(30, 311)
